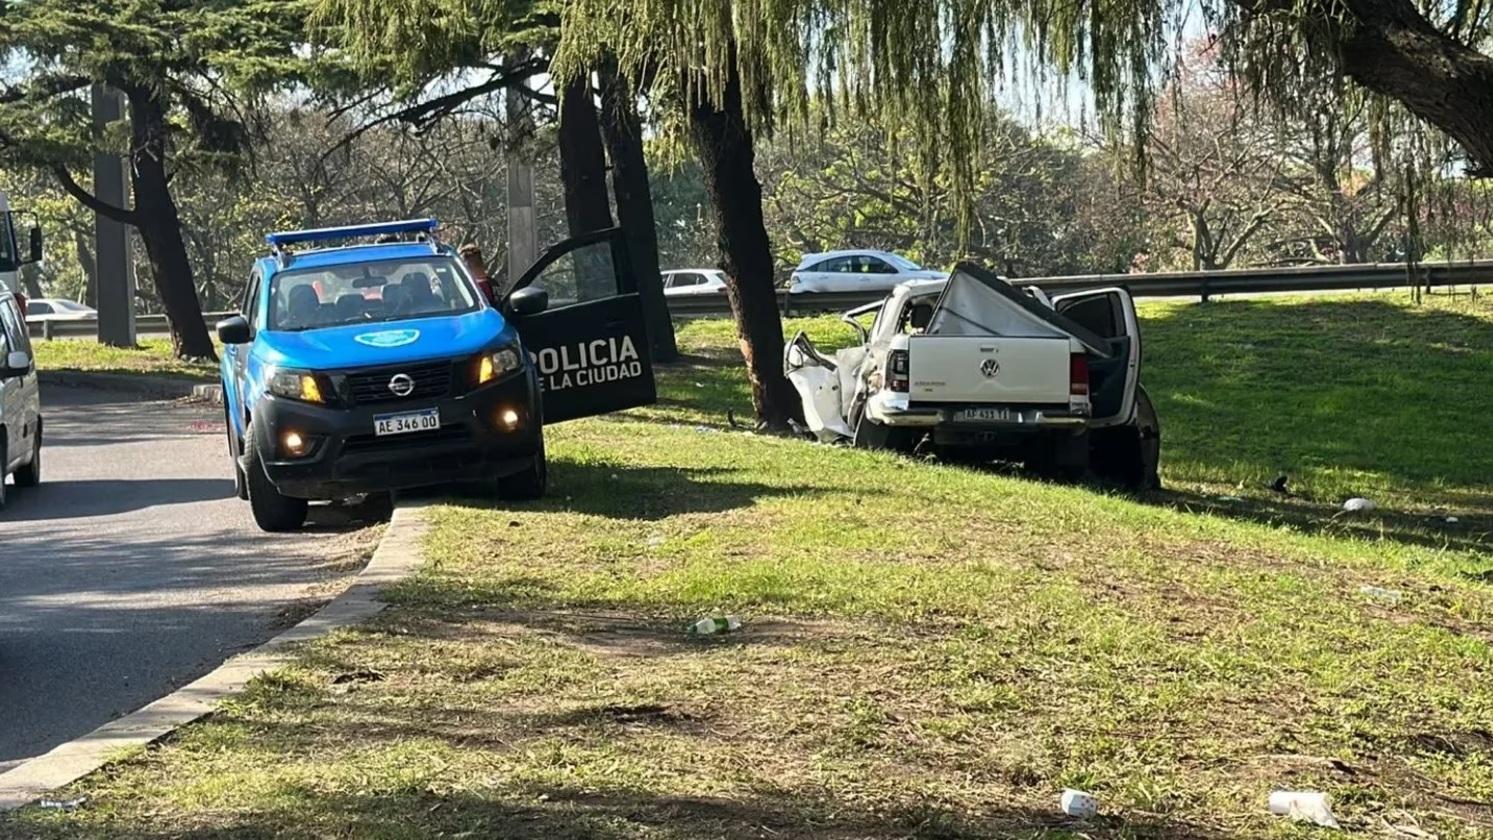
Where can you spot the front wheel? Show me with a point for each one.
(273, 511)
(529, 484)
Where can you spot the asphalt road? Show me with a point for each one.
(132, 569)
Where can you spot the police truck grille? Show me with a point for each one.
(432, 379)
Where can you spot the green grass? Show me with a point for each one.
(928, 650)
(153, 357)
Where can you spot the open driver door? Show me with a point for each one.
(590, 343)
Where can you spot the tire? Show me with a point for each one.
(531, 483)
(273, 511)
(1130, 456)
(378, 507)
(3, 461)
(1063, 459)
(30, 475)
(870, 434)
(240, 481)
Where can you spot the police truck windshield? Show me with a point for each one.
(392, 290)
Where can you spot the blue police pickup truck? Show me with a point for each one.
(366, 360)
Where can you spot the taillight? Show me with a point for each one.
(21, 303)
(897, 367)
(1078, 375)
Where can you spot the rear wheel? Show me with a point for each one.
(529, 484)
(870, 434)
(1064, 459)
(4, 459)
(273, 510)
(1130, 456)
(30, 475)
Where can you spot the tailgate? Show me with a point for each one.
(988, 369)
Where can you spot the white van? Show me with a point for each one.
(12, 257)
(20, 400)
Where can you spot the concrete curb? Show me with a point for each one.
(159, 387)
(397, 557)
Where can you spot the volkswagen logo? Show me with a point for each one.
(989, 367)
(402, 385)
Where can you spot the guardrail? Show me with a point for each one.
(145, 325)
(1199, 284)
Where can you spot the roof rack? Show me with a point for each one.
(279, 242)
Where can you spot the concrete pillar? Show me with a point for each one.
(523, 230)
(115, 270)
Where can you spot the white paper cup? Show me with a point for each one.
(1076, 803)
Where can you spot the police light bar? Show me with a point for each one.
(296, 237)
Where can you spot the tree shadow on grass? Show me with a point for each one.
(1471, 534)
(620, 491)
(1253, 388)
(548, 811)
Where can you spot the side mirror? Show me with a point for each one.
(235, 330)
(17, 363)
(35, 255)
(529, 301)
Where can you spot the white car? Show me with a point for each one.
(694, 281)
(58, 309)
(856, 271)
(978, 368)
(20, 400)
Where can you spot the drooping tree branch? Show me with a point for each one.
(45, 87)
(422, 115)
(1395, 51)
(91, 201)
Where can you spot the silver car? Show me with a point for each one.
(857, 271)
(20, 400)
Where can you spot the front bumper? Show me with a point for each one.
(345, 458)
(893, 409)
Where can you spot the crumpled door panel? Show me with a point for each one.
(818, 382)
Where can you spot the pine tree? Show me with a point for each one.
(181, 68)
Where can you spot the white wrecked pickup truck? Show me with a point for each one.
(983, 370)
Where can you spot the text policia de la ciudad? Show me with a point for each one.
(586, 363)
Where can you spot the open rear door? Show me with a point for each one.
(1109, 314)
(591, 345)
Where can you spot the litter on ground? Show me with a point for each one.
(1077, 803)
(1304, 806)
(714, 625)
(1380, 595)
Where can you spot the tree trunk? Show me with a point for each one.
(31, 279)
(159, 223)
(724, 143)
(1392, 49)
(623, 131)
(90, 273)
(583, 173)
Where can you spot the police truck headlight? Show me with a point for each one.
(498, 363)
(297, 385)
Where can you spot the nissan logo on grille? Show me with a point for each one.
(402, 385)
(990, 367)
